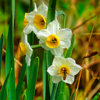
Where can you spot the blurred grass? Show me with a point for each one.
(76, 12)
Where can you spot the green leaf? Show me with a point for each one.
(32, 79)
(44, 75)
(39, 98)
(85, 98)
(24, 95)
(21, 90)
(20, 82)
(1, 47)
(10, 57)
(13, 14)
(66, 93)
(48, 58)
(51, 11)
(69, 51)
(53, 91)
(62, 13)
(49, 62)
(60, 90)
(31, 42)
(96, 96)
(74, 95)
(31, 5)
(3, 90)
(10, 63)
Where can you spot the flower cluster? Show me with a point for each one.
(53, 38)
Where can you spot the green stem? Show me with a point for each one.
(35, 46)
(64, 17)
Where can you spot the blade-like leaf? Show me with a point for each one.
(85, 98)
(31, 5)
(44, 75)
(10, 58)
(20, 82)
(39, 98)
(66, 93)
(31, 42)
(74, 95)
(96, 96)
(24, 95)
(53, 91)
(48, 60)
(51, 11)
(3, 90)
(21, 89)
(32, 79)
(1, 46)
(10, 64)
(60, 90)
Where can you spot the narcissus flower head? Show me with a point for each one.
(63, 69)
(26, 49)
(55, 39)
(36, 19)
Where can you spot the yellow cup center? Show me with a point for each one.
(63, 71)
(39, 22)
(52, 41)
(23, 48)
(25, 20)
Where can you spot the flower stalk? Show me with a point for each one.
(35, 46)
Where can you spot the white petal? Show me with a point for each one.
(70, 61)
(53, 27)
(29, 28)
(64, 34)
(74, 68)
(42, 10)
(30, 16)
(65, 43)
(56, 79)
(58, 61)
(43, 45)
(24, 38)
(35, 7)
(69, 79)
(28, 60)
(29, 49)
(53, 70)
(43, 34)
(57, 51)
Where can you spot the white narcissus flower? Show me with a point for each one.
(55, 39)
(26, 49)
(63, 69)
(37, 19)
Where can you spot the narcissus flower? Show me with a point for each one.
(36, 19)
(55, 39)
(26, 49)
(63, 69)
